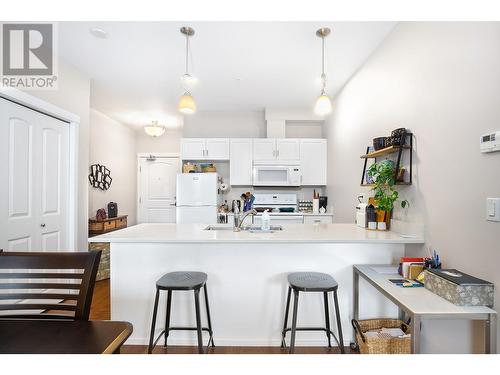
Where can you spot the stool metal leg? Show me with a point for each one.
(153, 323)
(339, 323)
(167, 316)
(294, 320)
(208, 317)
(285, 323)
(198, 320)
(327, 318)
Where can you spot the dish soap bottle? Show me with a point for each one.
(266, 221)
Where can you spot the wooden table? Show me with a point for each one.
(62, 337)
(420, 304)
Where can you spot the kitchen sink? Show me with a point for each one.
(247, 228)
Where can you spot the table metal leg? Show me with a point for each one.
(415, 334)
(490, 334)
(355, 308)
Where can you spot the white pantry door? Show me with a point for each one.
(157, 177)
(34, 157)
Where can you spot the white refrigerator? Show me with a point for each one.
(197, 198)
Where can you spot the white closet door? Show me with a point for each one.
(34, 153)
(53, 168)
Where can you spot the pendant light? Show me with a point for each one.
(154, 130)
(323, 104)
(186, 102)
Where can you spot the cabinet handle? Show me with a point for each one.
(278, 153)
(206, 152)
(42, 225)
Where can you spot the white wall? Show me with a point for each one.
(442, 81)
(215, 124)
(167, 143)
(73, 95)
(113, 144)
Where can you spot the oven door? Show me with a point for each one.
(271, 175)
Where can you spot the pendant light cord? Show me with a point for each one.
(187, 53)
(323, 76)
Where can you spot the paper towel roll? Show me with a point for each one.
(315, 206)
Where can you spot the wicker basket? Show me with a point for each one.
(377, 345)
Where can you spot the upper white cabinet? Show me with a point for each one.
(313, 161)
(217, 149)
(287, 149)
(192, 148)
(276, 149)
(264, 149)
(205, 149)
(240, 161)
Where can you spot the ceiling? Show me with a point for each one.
(240, 66)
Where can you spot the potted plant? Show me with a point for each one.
(383, 175)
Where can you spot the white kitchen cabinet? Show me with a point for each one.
(313, 161)
(267, 149)
(240, 161)
(264, 149)
(287, 149)
(205, 149)
(192, 148)
(318, 219)
(217, 149)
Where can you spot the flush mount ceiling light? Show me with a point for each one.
(98, 33)
(323, 104)
(186, 102)
(154, 130)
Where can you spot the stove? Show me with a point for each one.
(274, 202)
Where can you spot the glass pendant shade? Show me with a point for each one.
(154, 130)
(187, 104)
(323, 105)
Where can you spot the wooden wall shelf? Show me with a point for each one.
(388, 151)
(382, 152)
(397, 183)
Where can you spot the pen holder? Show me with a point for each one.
(430, 263)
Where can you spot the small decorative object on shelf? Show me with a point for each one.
(112, 209)
(101, 214)
(100, 177)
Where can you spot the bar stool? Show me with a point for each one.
(312, 282)
(183, 281)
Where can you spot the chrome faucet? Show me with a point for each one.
(238, 220)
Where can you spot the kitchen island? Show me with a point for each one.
(246, 277)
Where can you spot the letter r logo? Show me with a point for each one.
(27, 49)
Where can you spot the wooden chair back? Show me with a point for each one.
(35, 285)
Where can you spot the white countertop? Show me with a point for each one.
(291, 233)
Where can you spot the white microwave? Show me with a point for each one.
(274, 173)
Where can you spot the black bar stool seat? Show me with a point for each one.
(182, 281)
(312, 282)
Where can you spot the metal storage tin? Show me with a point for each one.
(461, 291)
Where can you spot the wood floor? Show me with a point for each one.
(100, 310)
